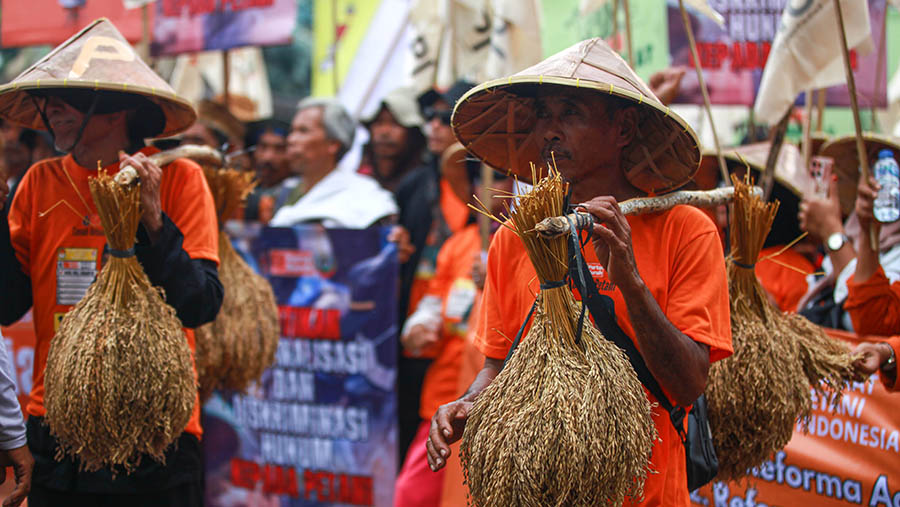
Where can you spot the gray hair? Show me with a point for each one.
(338, 124)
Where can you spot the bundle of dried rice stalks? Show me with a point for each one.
(119, 380)
(240, 344)
(566, 422)
(757, 395)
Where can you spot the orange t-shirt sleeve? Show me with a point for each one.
(698, 304)
(874, 305)
(498, 319)
(188, 202)
(786, 285)
(892, 384)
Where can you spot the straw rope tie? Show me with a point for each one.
(541, 79)
(577, 82)
(96, 84)
(121, 254)
(742, 265)
(39, 84)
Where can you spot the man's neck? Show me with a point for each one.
(387, 168)
(589, 188)
(87, 156)
(313, 176)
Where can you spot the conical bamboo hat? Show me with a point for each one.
(846, 162)
(96, 58)
(495, 120)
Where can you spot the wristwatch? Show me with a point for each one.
(836, 241)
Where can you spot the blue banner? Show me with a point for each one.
(321, 428)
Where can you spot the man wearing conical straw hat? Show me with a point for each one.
(664, 272)
(99, 101)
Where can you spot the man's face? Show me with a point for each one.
(201, 135)
(438, 131)
(271, 159)
(388, 137)
(66, 121)
(577, 130)
(307, 144)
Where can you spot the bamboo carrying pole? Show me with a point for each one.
(690, 33)
(851, 87)
(557, 226)
(128, 174)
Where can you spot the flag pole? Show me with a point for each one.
(768, 177)
(690, 33)
(226, 78)
(851, 87)
(615, 24)
(807, 127)
(820, 108)
(628, 33)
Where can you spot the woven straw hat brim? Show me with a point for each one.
(789, 171)
(846, 162)
(495, 121)
(132, 76)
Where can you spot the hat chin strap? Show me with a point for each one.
(84, 122)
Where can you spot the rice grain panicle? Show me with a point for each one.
(757, 395)
(566, 422)
(240, 344)
(119, 382)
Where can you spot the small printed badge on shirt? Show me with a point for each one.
(76, 269)
(460, 299)
(597, 270)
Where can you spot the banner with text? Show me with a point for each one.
(320, 429)
(51, 22)
(842, 456)
(184, 26)
(733, 55)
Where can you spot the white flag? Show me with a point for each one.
(515, 39)
(806, 53)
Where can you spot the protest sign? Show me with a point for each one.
(321, 426)
(183, 26)
(733, 55)
(51, 22)
(845, 456)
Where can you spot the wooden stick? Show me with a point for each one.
(555, 226)
(820, 109)
(879, 65)
(851, 87)
(690, 33)
(204, 154)
(807, 126)
(768, 177)
(484, 223)
(615, 23)
(226, 77)
(628, 33)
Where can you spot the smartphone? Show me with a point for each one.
(820, 171)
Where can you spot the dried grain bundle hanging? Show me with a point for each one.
(240, 344)
(566, 422)
(119, 380)
(756, 395)
(827, 363)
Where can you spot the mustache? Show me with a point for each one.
(554, 150)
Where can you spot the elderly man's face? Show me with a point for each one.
(388, 137)
(66, 121)
(577, 130)
(308, 144)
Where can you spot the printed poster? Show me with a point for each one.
(184, 26)
(841, 457)
(733, 56)
(320, 429)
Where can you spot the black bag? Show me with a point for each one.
(701, 462)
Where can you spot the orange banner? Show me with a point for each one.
(843, 456)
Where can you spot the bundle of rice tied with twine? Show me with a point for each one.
(566, 422)
(240, 344)
(757, 395)
(119, 381)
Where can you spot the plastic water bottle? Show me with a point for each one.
(887, 173)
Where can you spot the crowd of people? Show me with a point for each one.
(459, 302)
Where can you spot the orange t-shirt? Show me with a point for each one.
(62, 254)
(786, 285)
(680, 259)
(453, 284)
(874, 305)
